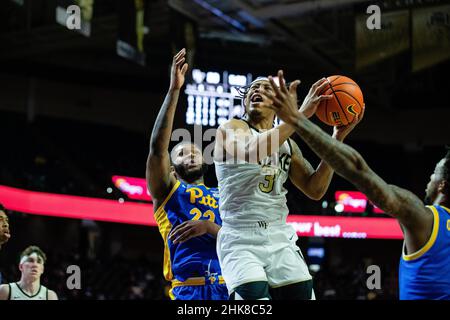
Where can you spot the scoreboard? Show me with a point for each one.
(213, 97)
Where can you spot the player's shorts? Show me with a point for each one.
(260, 252)
(216, 291)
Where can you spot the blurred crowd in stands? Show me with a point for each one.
(118, 278)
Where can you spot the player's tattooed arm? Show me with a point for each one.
(312, 182)
(348, 163)
(193, 228)
(159, 178)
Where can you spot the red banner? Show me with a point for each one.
(134, 188)
(346, 227)
(57, 205)
(75, 207)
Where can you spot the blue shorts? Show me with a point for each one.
(205, 292)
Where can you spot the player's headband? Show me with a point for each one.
(34, 255)
(242, 91)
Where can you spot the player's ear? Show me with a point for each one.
(443, 187)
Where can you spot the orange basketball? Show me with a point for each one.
(347, 102)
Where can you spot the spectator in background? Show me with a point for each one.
(29, 287)
(4, 227)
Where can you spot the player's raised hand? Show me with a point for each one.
(284, 100)
(341, 132)
(188, 230)
(313, 98)
(178, 70)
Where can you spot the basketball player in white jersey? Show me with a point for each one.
(256, 247)
(29, 287)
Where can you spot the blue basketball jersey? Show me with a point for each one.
(197, 257)
(425, 274)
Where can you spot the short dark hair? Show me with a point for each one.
(2, 208)
(33, 249)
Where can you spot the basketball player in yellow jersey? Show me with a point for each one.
(256, 247)
(424, 271)
(29, 287)
(4, 227)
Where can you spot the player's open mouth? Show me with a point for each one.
(256, 98)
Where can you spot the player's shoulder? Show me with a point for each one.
(295, 149)
(51, 295)
(4, 291)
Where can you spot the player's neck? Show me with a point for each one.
(261, 124)
(442, 200)
(29, 286)
(198, 181)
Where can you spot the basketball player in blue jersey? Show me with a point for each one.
(256, 247)
(187, 212)
(425, 262)
(4, 227)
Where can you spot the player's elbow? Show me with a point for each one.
(356, 166)
(316, 194)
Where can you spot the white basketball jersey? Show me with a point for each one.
(254, 192)
(16, 293)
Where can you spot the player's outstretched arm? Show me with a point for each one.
(159, 178)
(312, 182)
(348, 163)
(315, 182)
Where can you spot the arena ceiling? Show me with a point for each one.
(310, 36)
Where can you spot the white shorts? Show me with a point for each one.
(260, 252)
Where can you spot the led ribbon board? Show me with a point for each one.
(75, 207)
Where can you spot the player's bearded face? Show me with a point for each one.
(188, 163)
(4, 228)
(432, 191)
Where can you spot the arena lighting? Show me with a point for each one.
(339, 208)
(314, 268)
(75, 207)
